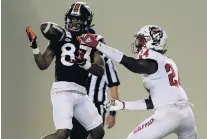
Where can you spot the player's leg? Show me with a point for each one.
(101, 111)
(78, 131)
(86, 113)
(62, 102)
(59, 134)
(187, 129)
(159, 125)
(97, 132)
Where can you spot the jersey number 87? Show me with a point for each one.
(69, 49)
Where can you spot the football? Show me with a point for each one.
(52, 31)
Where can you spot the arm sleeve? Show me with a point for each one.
(143, 104)
(141, 66)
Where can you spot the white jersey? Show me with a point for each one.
(163, 85)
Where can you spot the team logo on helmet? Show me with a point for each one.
(156, 35)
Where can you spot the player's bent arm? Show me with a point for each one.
(144, 104)
(44, 60)
(147, 66)
(97, 68)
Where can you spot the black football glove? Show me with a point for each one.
(79, 59)
(32, 37)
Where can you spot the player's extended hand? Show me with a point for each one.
(115, 105)
(79, 58)
(32, 37)
(88, 39)
(110, 121)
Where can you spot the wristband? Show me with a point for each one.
(112, 113)
(36, 51)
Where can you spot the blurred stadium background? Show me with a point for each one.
(26, 106)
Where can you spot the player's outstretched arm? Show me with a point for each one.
(147, 66)
(144, 104)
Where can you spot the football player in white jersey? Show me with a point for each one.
(172, 111)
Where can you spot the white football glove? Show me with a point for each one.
(115, 105)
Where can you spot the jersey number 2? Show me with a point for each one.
(172, 75)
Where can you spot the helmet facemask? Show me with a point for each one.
(151, 37)
(75, 24)
(139, 43)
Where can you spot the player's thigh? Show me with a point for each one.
(62, 103)
(87, 114)
(153, 128)
(187, 128)
(78, 131)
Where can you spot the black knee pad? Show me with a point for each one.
(63, 133)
